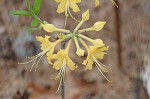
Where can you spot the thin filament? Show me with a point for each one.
(72, 16)
(102, 73)
(38, 62)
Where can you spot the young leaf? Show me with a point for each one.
(37, 6)
(34, 22)
(20, 12)
(29, 6)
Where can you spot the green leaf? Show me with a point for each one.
(37, 6)
(29, 6)
(20, 12)
(34, 22)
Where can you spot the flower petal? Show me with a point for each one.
(61, 7)
(71, 64)
(74, 6)
(58, 63)
(97, 3)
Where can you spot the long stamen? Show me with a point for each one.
(59, 85)
(64, 74)
(114, 3)
(32, 66)
(60, 72)
(72, 16)
(103, 67)
(102, 73)
(106, 67)
(28, 61)
(38, 62)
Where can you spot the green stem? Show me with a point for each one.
(86, 38)
(78, 26)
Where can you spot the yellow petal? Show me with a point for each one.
(80, 52)
(99, 53)
(58, 63)
(88, 62)
(45, 43)
(98, 43)
(49, 27)
(77, 1)
(71, 64)
(74, 6)
(98, 26)
(61, 7)
(97, 3)
(85, 16)
(103, 48)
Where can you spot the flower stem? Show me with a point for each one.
(62, 81)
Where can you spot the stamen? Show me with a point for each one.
(103, 67)
(28, 61)
(32, 66)
(114, 3)
(59, 85)
(59, 74)
(62, 77)
(106, 67)
(38, 62)
(72, 16)
(102, 73)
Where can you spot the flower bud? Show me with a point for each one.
(49, 27)
(85, 16)
(98, 25)
(80, 52)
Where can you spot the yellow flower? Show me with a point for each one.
(45, 43)
(65, 4)
(63, 59)
(46, 47)
(95, 53)
(97, 3)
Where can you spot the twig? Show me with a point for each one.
(62, 81)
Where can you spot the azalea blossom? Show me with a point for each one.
(66, 4)
(95, 53)
(61, 58)
(47, 47)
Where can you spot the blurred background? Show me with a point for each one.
(127, 33)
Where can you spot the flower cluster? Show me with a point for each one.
(61, 60)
